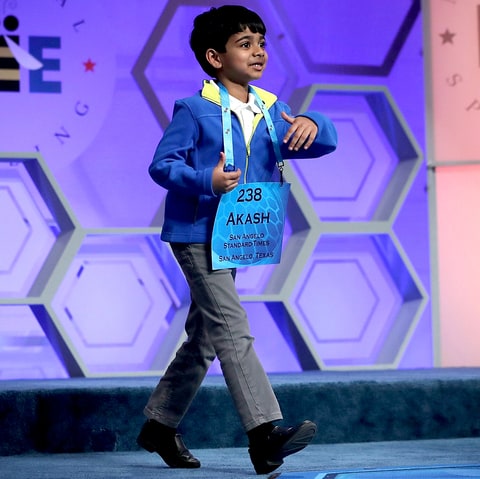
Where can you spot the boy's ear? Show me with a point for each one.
(213, 58)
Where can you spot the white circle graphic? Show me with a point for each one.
(57, 74)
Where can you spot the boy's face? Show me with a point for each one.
(245, 58)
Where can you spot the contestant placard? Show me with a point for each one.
(249, 225)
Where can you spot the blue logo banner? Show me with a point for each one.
(248, 229)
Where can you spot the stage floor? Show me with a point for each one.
(319, 461)
(427, 472)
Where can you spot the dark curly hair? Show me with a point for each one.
(213, 28)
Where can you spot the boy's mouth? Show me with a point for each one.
(257, 66)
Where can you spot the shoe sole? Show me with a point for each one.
(297, 442)
(300, 439)
(265, 466)
(150, 447)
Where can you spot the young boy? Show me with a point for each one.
(229, 44)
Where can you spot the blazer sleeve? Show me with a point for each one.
(175, 164)
(325, 142)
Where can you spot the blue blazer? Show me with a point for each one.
(190, 149)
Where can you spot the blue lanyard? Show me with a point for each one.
(227, 128)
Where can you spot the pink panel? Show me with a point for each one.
(455, 76)
(453, 46)
(458, 219)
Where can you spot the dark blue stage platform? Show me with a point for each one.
(102, 415)
(366, 419)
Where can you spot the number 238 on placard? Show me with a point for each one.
(249, 194)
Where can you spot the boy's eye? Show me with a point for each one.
(245, 45)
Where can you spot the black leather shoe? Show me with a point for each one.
(266, 455)
(170, 447)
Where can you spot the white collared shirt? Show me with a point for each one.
(245, 113)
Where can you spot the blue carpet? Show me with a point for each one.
(357, 460)
(436, 472)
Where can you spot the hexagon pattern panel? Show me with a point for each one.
(87, 288)
(29, 232)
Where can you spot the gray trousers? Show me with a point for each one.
(216, 326)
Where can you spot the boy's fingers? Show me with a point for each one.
(222, 159)
(287, 117)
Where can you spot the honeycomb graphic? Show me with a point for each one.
(78, 301)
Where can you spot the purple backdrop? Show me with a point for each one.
(86, 286)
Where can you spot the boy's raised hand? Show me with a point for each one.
(301, 133)
(222, 181)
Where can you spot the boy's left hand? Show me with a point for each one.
(301, 133)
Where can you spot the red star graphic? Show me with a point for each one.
(89, 65)
(447, 36)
